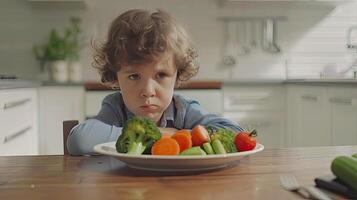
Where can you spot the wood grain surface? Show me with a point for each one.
(101, 177)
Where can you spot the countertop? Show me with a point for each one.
(16, 83)
(216, 84)
(195, 84)
(188, 85)
(100, 177)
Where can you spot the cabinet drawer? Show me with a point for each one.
(20, 142)
(249, 98)
(18, 119)
(17, 110)
(269, 125)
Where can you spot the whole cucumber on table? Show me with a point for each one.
(345, 168)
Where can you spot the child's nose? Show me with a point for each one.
(148, 90)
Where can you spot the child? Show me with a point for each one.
(146, 55)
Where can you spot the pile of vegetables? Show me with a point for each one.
(345, 169)
(141, 136)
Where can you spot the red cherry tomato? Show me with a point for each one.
(199, 135)
(245, 141)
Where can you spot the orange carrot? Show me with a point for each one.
(165, 146)
(183, 138)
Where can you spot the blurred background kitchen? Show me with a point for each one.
(286, 68)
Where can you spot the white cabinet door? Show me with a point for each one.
(209, 99)
(308, 116)
(58, 103)
(258, 107)
(269, 126)
(343, 106)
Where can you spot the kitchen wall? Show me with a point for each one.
(312, 37)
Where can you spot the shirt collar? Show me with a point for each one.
(167, 119)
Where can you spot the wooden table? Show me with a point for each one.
(101, 177)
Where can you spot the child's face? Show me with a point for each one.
(147, 89)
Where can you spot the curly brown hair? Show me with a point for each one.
(141, 36)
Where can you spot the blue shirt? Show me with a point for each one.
(182, 113)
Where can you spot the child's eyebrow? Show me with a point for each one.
(129, 71)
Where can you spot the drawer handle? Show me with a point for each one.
(15, 103)
(15, 135)
(309, 97)
(247, 100)
(341, 100)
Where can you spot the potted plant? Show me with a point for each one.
(59, 51)
(74, 47)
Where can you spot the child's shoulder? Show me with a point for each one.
(113, 97)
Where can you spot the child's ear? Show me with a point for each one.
(115, 85)
(177, 84)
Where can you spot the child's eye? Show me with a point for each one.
(134, 77)
(161, 75)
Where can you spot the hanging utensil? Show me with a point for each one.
(242, 48)
(351, 44)
(229, 59)
(269, 36)
(253, 35)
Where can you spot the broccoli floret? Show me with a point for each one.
(138, 136)
(226, 136)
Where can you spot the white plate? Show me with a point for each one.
(175, 163)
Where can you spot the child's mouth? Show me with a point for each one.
(148, 108)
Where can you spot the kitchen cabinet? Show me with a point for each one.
(58, 103)
(19, 122)
(321, 115)
(342, 102)
(308, 116)
(210, 99)
(258, 107)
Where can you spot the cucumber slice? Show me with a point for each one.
(208, 148)
(218, 147)
(193, 151)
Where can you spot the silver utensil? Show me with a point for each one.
(269, 36)
(290, 183)
(229, 59)
(242, 48)
(253, 36)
